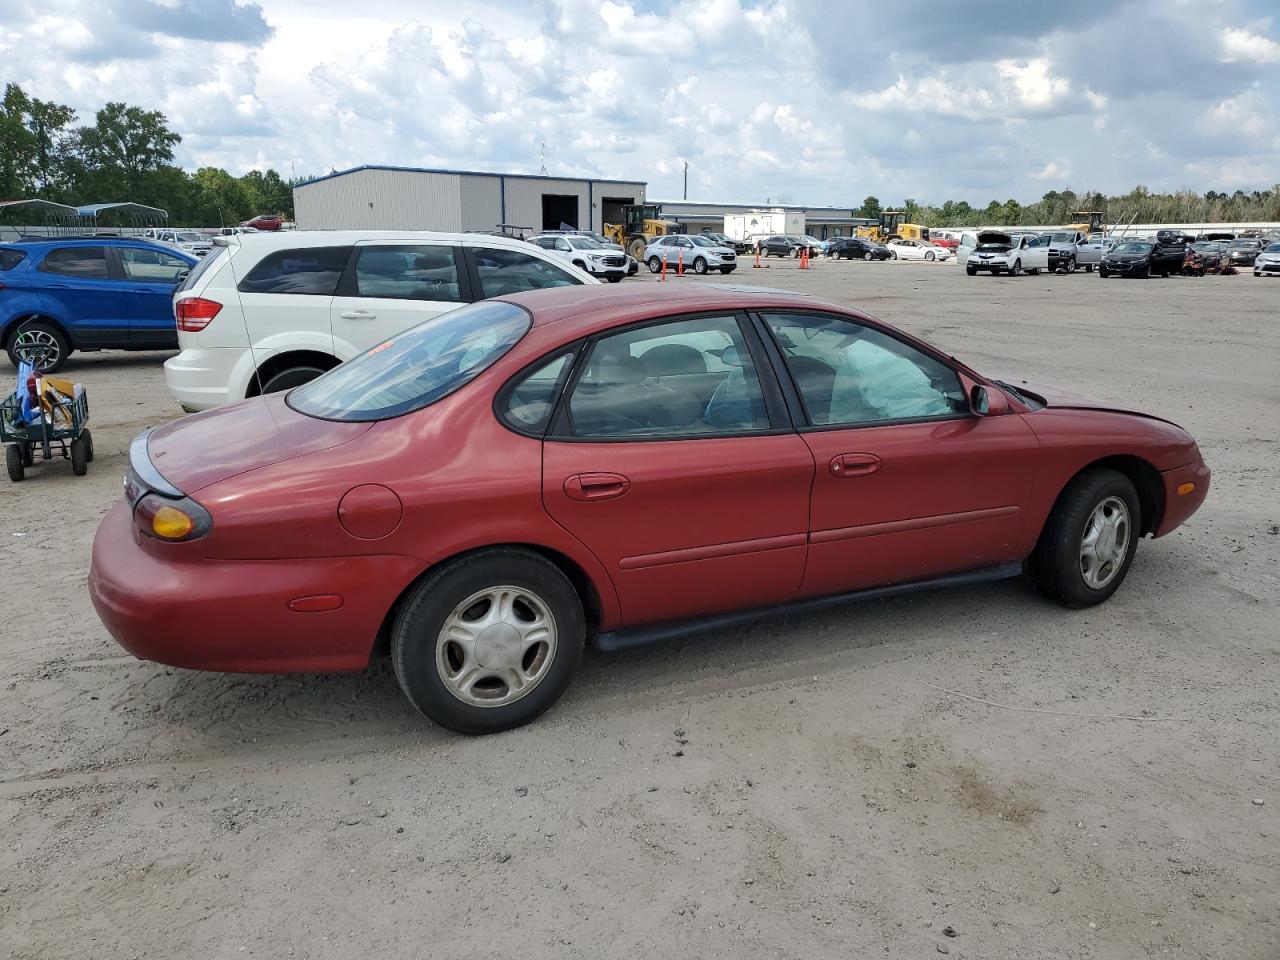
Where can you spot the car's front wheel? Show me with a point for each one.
(290, 377)
(970, 271)
(655, 265)
(1089, 542)
(929, 255)
(489, 641)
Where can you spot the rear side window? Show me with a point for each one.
(409, 272)
(85, 262)
(416, 368)
(526, 405)
(505, 272)
(313, 271)
(11, 258)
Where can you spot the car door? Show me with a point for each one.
(85, 295)
(672, 459)
(285, 298)
(388, 287)
(908, 483)
(149, 277)
(678, 250)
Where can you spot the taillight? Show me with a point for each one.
(172, 520)
(194, 313)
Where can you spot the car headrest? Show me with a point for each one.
(673, 359)
(620, 369)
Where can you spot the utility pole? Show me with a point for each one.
(686, 179)
(542, 158)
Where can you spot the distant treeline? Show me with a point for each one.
(126, 154)
(1057, 207)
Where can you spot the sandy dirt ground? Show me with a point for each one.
(805, 787)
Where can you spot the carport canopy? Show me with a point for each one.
(137, 212)
(52, 212)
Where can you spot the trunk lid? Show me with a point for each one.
(201, 449)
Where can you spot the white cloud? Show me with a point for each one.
(1242, 44)
(1055, 171)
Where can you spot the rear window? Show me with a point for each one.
(202, 267)
(416, 368)
(503, 272)
(10, 258)
(312, 271)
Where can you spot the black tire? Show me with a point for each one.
(46, 332)
(28, 454)
(87, 438)
(1055, 566)
(868, 255)
(290, 377)
(929, 255)
(79, 458)
(971, 271)
(654, 264)
(1016, 268)
(1071, 265)
(699, 266)
(1103, 272)
(13, 462)
(581, 266)
(418, 625)
(1034, 271)
(1088, 268)
(615, 279)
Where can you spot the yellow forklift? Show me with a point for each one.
(641, 223)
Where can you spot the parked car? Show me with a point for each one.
(1210, 253)
(633, 265)
(696, 253)
(268, 311)
(1243, 253)
(998, 252)
(490, 490)
(1267, 262)
(945, 238)
(189, 241)
(856, 248)
(724, 240)
(1089, 253)
(779, 245)
(916, 250)
(58, 296)
(265, 221)
(1142, 258)
(585, 253)
(1064, 249)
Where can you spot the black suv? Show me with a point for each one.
(856, 248)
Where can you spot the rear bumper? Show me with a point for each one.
(234, 615)
(202, 378)
(1178, 507)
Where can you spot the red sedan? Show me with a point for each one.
(485, 492)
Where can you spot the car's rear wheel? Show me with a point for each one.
(488, 642)
(655, 265)
(290, 377)
(40, 342)
(1089, 542)
(1088, 268)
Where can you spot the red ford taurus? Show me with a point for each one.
(486, 491)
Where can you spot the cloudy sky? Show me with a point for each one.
(803, 101)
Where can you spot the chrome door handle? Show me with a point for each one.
(358, 315)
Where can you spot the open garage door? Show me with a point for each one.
(559, 210)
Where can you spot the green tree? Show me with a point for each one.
(220, 199)
(34, 144)
(126, 142)
(870, 208)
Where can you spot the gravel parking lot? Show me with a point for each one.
(816, 786)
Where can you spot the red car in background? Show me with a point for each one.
(484, 493)
(265, 222)
(943, 238)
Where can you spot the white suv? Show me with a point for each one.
(190, 241)
(268, 311)
(586, 253)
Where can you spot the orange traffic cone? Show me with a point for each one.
(662, 275)
(756, 265)
(680, 262)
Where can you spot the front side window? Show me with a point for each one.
(504, 272)
(312, 271)
(84, 262)
(408, 272)
(152, 266)
(848, 374)
(416, 368)
(685, 378)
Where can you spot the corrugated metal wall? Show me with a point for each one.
(381, 200)
(480, 202)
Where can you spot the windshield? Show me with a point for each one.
(1063, 237)
(584, 243)
(416, 368)
(1274, 248)
(1132, 248)
(1207, 246)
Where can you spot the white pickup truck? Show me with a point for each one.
(998, 252)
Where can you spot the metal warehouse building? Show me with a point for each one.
(408, 198)
(822, 222)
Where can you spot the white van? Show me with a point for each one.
(265, 312)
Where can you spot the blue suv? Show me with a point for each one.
(96, 293)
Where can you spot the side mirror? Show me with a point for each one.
(979, 403)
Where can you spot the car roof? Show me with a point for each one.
(90, 242)
(586, 310)
(341, 238)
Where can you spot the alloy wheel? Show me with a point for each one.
(496, 646)
(1105, 542)
(39, 347)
